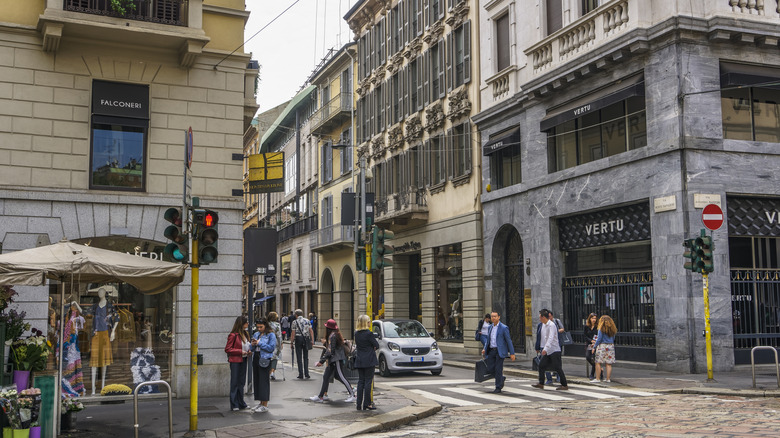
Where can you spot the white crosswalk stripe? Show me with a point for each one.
(444, 399)
(616, 390)
(491, 398)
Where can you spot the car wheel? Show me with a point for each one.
(436, 372)
(384, 371)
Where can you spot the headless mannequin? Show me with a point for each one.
(102, 303)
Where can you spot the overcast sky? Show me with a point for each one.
(290, 48)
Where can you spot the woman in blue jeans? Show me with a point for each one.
(365, 361)
(237, 349)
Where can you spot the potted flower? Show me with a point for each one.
(29, 354)
(68, 406)
(14, 325)
(21, 410)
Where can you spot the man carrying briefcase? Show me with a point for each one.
(498, 346)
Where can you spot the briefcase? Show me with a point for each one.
(535, 363)
(481, 371)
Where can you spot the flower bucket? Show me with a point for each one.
(21, 433)
(66, 421)
(35, 432)
(8, 432)
(22, 380)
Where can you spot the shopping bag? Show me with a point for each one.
(535, 363)
(481, 371)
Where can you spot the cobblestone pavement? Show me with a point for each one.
(664, 416)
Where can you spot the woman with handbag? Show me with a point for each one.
(264, 345)
(335, 356)
(604, 347)
(237, 349)
(277, 329)
(365, 361)
(591, 333)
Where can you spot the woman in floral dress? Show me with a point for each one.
(72, 378)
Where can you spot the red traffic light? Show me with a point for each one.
(209, 220)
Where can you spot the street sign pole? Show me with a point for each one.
(707, 327)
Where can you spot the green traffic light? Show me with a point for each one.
(379, 249)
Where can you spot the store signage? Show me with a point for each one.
(606, 227)
(408, 246)
(148, 255)
(581, 110)
(120, 99)
(665, 203)
(753, 216)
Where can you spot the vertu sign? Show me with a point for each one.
(120, 99)
(605, 227)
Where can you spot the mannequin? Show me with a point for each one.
(100, 351)
(72, 379)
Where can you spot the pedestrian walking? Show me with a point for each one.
(277, 329)
(559, 326)
(551, 351)
(365, 361)
(590, 333)
(313, 322)
(285, 323)
(335, 356)
(604, 347)
(237, 349)
(264, 344)
(302, 340)
(497, 347)
(482, 329)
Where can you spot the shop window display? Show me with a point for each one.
(449, 292)
(112, 334)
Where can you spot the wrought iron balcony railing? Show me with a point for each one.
(332, 237)
(173, 12)
(304, 226)
(341, 105)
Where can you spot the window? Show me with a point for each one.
(460, 141)
(346, 153)
(285, 267)
(751, 113)
(437, 156)
(395, 31)
(327, 163)
(413, 164)
(290, 175)
(502, 42)
(616, 128)
(436, 64)
(298, 268)
(505, 167)
(589, 5)
(414, 97)
(449, 291)
(396, 98)
(554, 16)
(459, 61)
(379, 107)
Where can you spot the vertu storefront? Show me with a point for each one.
(607, 259)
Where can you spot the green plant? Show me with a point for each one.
(30, 354)
(71, 404)
(116, 389)
(14, 325)
(122, 6)
(7, 294)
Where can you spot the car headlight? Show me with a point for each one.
(393, 346)
(434, 346)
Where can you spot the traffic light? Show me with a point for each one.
(360, 260)
(178, 250)
(206, 222)
(379, 249)
(689, 255)
(704, 247)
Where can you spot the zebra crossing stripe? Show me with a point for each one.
(583, 393)
(488, 396)
(444, 399)
(618, 390)
(436, 382)
(536, 393)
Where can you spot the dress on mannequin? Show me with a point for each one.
(100, 350)
(72, 377)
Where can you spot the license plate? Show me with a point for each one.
(417, 359)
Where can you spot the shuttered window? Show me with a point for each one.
(502, 42)
(554, 16)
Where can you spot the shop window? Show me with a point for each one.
(502, 42)
(634, 257)
(505, 167)
(614, 129)
(751, 113)
(286, 267)
(449, 291)
(142, 326)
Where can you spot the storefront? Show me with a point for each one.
(754, 259)
(608, 271)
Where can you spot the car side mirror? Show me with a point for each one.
(377, 335)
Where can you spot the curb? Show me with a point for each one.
(422, 408)
(770, 393)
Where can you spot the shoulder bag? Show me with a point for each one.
(564, 338)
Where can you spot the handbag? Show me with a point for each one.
(564, 338)
(535, 363)
(481, 371)
(263, 363)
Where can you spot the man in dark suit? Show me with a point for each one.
(497, 347)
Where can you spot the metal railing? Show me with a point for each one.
(303, 226)
(173, 12)
(342, 102)
(170, 405)
(755, 307)
(334, 234)
(753, 362)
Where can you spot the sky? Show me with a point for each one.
(291, 47)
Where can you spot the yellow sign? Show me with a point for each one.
(529, 319)
(266, 172)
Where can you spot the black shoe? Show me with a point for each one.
(496, 391)
(308, 377)
(359, 408)
(501, 386)
(299, 377)
(370, 408)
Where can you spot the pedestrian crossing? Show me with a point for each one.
(467, 393)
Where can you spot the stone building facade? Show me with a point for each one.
(607, 126)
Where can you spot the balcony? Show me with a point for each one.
(173, 26)
(404, 209)
(333, 113)
(295, 229)
(333, 238)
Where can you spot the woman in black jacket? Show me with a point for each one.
(591, 331)
(365, 361)
(335, 356)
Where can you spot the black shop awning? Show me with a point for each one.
(501, 140)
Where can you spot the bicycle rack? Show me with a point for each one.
(170, 405)
(753, 362)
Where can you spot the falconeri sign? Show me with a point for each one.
(120, 99)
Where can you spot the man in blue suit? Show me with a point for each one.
(497, 347)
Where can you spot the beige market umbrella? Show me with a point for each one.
(66, 260)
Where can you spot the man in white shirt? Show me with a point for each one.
(551, 351)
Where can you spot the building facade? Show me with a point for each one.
(95, 105)
(418, 86)
(334, 240)
(607, 127)
(293, 211)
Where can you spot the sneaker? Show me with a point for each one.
(262, 409)
(317, 399)
(350, 399)
(595, 381)
(273, 377)
(608, 381)
(549, 382)
(234, 409)
(325, 397)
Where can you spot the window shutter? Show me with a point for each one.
(467, 52)
(450, 4)
(426, 74)
(426, 13)
(420, 24)
(382, 39)
(367, 55)
(372, 113)
(420, 74)
(329, 169)
(323, 177)
(406, 90)
(441, 8)
(442, 67)
(469, 147)
(330, 210)
(359, 130)
(389, 35)
(388, 87)
(449, 61)
(449, 157)
(406, 20)
(425, 170)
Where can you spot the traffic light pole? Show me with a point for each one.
(194, 338)
(707, 328)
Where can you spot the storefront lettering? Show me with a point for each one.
(581, 110)
(773, 217)
(604, 227)
(120, 104)
(741, 298)
(408, 246)
(149, 255)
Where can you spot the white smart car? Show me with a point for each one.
(405, 345)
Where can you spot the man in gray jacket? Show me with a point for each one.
(551, 351)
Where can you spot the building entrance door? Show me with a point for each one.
(514, 315)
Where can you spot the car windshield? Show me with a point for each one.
(405, 329)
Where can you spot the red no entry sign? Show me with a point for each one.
(712, 217)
